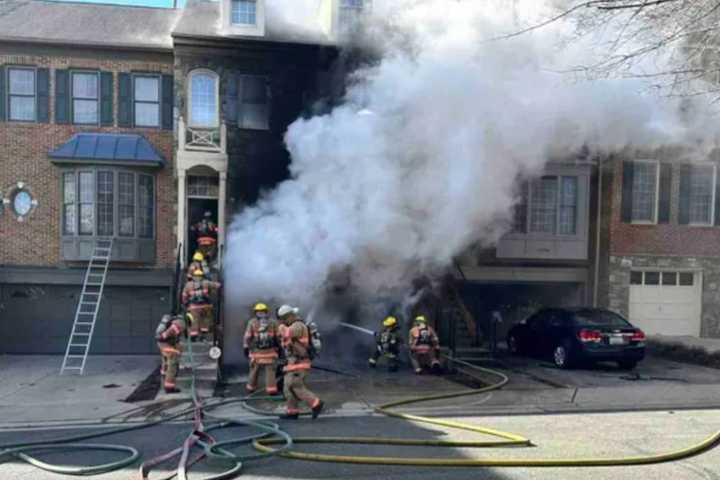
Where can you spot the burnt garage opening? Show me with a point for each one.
(514, 301)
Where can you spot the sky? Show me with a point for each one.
(143, 3)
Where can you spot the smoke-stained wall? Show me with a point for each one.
(257, 159)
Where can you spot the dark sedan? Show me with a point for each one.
(570, 336)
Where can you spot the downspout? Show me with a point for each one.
(597, 232)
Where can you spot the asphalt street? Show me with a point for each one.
(661, 406)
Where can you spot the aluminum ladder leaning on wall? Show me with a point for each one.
(88, 307)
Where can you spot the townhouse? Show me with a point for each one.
(129, 123)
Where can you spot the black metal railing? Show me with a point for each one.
(176, 306)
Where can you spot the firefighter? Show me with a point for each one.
(196, 298)
(261, 345)
(424, 346)
(296, 344)
(206, 233)
(198, 263)
(168, 334)
(388, 344)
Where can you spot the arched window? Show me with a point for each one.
(203, 104)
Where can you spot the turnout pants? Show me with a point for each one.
(392, 359)
(296, 391)
(170, 363)
(270, 380)
(423, 359)
(203, 321)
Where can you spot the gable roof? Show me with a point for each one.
(87, 24)
(108, 148)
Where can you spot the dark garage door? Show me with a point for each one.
(38, 318)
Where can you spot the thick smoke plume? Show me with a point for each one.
(420, 160)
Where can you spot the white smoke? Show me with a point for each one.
(421, 159)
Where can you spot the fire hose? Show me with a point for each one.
(271, 440)
(199, 437)
(502, 439)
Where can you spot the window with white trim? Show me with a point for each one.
(86, 98)
(244, 12)
(645, 186)
(146, 100)
(203, 107)
(254, 110)
(702, 194)
(22, 94)
(548, 206)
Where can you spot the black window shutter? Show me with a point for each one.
(717, 196)
(43, 95)
(3, 99)
(665, 193)
(684, 201)
(231, 99)
(62, 96)
(168, 100)
(627, 191)
(125, 106)
(106, 98)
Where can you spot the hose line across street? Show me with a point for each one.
(270, 440)
(500, 439)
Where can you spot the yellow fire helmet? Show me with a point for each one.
(198, 257)
(421, 319)
(260, 307)
(198, 273)
(390, 322)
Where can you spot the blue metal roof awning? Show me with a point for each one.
(108, 148)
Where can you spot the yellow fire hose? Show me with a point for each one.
(503, 439)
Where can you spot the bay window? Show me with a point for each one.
(109, 202)
(548, 206)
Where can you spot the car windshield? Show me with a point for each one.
(600, 318)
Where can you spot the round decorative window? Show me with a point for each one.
(22, 201)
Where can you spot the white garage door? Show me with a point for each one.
(667, 303)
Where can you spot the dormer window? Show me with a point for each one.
(244, 12)
(244, 17)
(349, 14)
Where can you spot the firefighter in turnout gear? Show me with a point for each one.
(168, 334)
(198, 263)
(261, 344)
(197, 299)
(206, 233)
(388, 344)
(424, 346)
(296, 345)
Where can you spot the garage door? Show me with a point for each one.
(666, 302)
(38, 319)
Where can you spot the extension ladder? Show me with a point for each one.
(88, 307)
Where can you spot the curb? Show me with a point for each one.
(680, 352)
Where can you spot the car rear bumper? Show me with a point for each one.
(633, 353)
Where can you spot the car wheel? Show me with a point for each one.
(627, 364)
(561, 356)
(513, 345)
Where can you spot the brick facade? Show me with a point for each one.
(660, 239)
(663, 247)
(24, 151)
